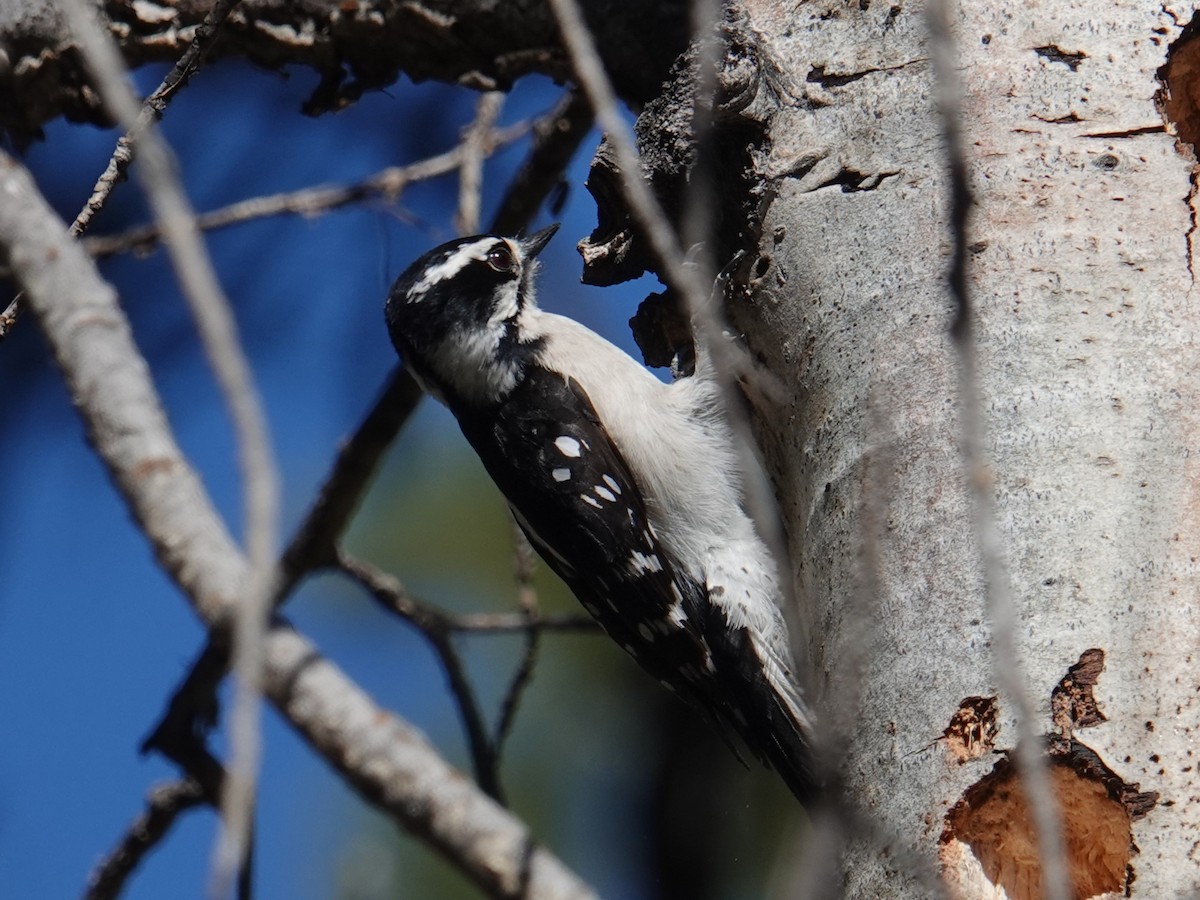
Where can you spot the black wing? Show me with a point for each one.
(577, 501)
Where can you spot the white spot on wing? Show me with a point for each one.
(561, 474)
(606, 494)
(567, 446)
(645, 632)
(612, 483)
(631, 650)
(642, 563)
(590, 500)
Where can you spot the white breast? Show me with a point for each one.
(677, 447)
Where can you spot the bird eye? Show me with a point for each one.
(500, 258)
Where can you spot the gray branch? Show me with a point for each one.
(390, 764)
(472, 42)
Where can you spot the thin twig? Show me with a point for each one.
(152, 109)
(260, 479)
(387, 184)
(1006, 660)
(475, 150)
(182, 737)
(314, 545)
(556, 139)
(527, 599)
(390, 594)
(508, 623)
(164, 805)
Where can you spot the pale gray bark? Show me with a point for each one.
(1081, 275)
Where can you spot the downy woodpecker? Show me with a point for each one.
(629, 488)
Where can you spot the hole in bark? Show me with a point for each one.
(1179, 97)
(1072, 702)
(972, 730)
(1096, 806)
(1070, 59)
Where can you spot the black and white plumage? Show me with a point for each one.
(626, 486)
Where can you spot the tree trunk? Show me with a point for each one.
(1080, 275)
(832, 172)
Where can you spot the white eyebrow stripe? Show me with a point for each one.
(476, 251)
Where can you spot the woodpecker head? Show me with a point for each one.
(455, 315)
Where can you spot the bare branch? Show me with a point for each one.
(523, 569)
(315, 543)
(163, 806)
(589, 70)
(387, 185)
(387, 762)
(260, 479)
(475, 150)
(483, 45)
(152, 109)
(392, 765)
(499, 623)
(556, 138)
(1006, 658)
(432, 624)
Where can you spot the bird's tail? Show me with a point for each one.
(787, 738)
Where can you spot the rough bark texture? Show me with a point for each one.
(356, 46)
(1081, 276)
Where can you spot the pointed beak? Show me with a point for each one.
(534, 244)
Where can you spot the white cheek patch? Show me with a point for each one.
(507, 306)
